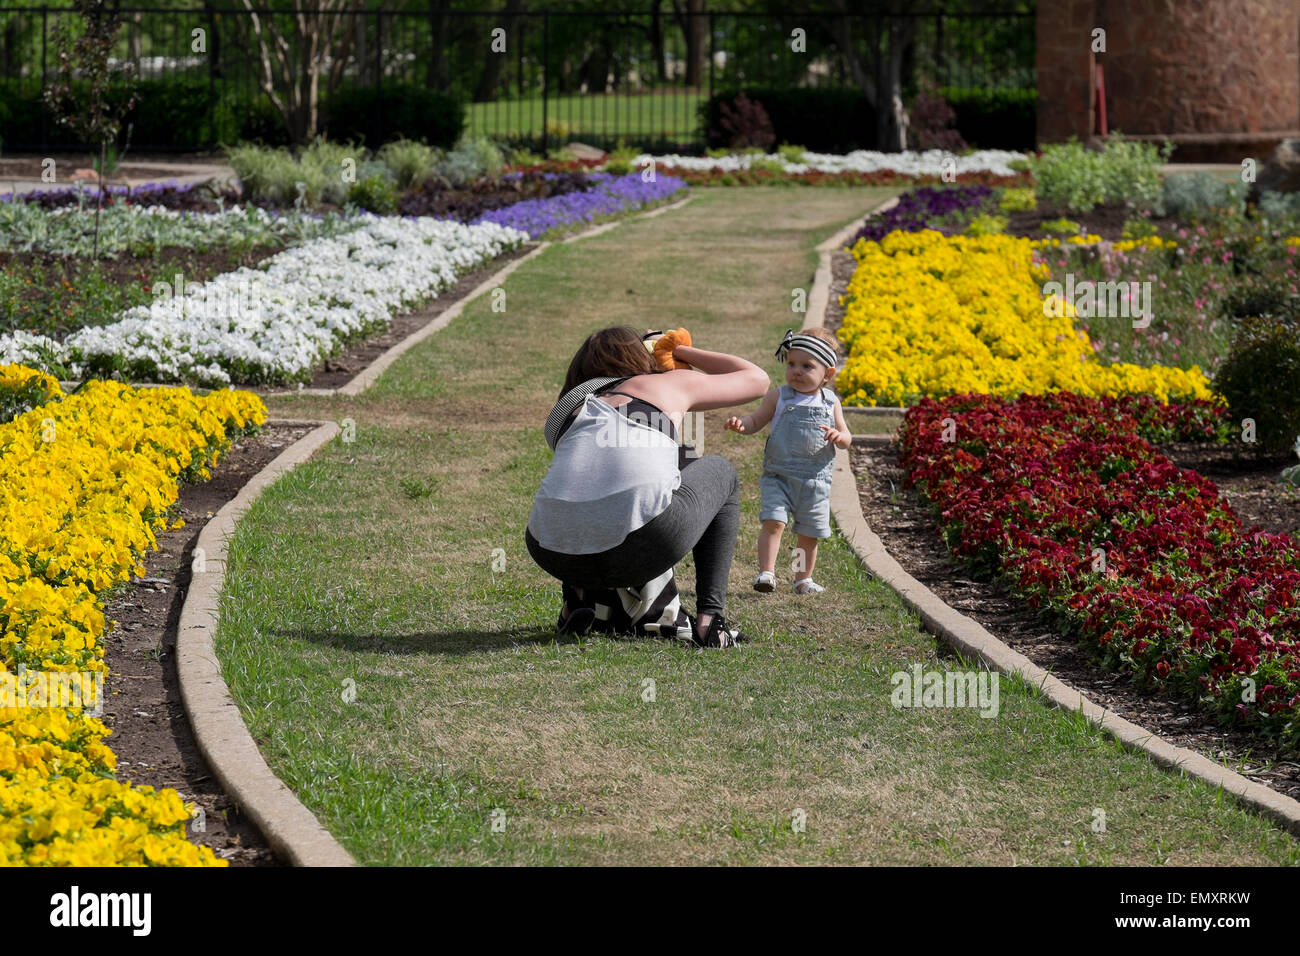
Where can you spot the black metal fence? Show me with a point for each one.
(528, 77)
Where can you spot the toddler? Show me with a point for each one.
(807, 426)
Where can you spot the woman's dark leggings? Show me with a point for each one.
(703, 519)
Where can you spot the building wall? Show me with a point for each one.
(1220, 78)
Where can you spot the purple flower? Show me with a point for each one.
(924, 208)
(610, 196)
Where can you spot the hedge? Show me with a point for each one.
(174, 114)
(840, 120)
(995, 119)
(823, 120)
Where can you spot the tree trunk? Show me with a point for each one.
(657, 42)
(437, 76)
(695, 38)
(488, 86)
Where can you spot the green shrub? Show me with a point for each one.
(1276, 205)
(791, 154)
(994, 119)
(411, 163)
(375, 194)
(1199, 196)
(473, 158)
(718, 153)
(525, 157)
(405, 110)
(1138, 228)
(1258, 380)
(1017, 200)
(1076, 178)
(767, 165)
(619, 162)
(986, 225)
(1061, 227)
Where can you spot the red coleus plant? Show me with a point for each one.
(1063, 499)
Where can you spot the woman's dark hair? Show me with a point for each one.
(613, 352)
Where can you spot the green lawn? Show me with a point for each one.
(398, 561)
(671, 113)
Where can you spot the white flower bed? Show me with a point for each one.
(70, 231)
(277, 322)
(932, 162)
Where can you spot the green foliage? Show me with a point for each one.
(767, 165)
(791, 154)
(375, 194)
(1076, 178)
(619, 162)
(986, 225)
(1138, 228)
(473, 158)
(1061, 227)
(1278, 205)
(1017, 200)
(525, 157)
(17, 399)
(1258, 380)
(1200, 196)
(411, 163)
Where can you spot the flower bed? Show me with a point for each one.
(930, 315)
(1061, 499)
(610, 196)
(275, 323)
(934, 162)
(143, 230)
(85, 482)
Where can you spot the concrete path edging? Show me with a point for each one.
(973, 640)
(223, 738)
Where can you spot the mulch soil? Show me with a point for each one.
(340, 369)
(151, 736)
(1105, 221)
(905, 526)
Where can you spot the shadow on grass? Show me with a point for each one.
(446, 642)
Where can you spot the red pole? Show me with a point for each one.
(1101, 100)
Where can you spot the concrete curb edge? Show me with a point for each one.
(219, 729)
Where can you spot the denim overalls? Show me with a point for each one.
(797, 466)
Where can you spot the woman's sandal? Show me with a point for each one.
(721, 633)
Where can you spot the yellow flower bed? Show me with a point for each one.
(85, 483)
(930, 315)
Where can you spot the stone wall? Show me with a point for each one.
(1220, 78)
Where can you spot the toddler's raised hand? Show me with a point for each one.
(833, 435)
(735, 424)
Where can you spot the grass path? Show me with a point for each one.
(397, 562)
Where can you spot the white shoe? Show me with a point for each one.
(765, 582)
(807, 586)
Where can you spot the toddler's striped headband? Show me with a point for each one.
(814, 346)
